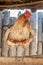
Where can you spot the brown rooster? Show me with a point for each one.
(21, 33)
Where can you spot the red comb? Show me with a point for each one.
(27, 14)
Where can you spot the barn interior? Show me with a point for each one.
(9, 12)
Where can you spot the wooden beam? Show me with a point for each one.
(11, 0)
(35, 7)
(25, 4)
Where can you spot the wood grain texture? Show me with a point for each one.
(19, 61)
(25, 4)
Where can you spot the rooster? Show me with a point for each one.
(21, 33)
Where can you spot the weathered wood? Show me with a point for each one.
(12, 20)
(42, 37)
(33, 50)
(0, 33)
(10, 1)
(0, 51)
(40, 48)
(0, 26)
(5, 21)
(33, 46)
(12, 51)
(40, 16)
(40, 32)
(33, 3)
(27, 51)
(20, 52)
(25, 61)
(5, 50)
(0, 36)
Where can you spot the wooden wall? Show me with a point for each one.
(33, 49)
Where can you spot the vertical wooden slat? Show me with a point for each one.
(0, 26)
(0, 32)
(5, 23)
(5, 50)
(40, 48)
(40, 32)
(27, 50)
(0, 51)
(12, 20)
(12, 51)
(33, 49)
(0, 42)
(20, 52)
(42, 43)
(6, 18)
(0, 36)
(40, 25)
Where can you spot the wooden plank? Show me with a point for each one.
(33, 3)
(12, 51)
(5, 50)
(10, 1)
(0, 26)
(40, 32)
(0, 51)
(40, 16)
(27, 50)
(33, 45)
(33, 50)
(6, 19)
(25, 61)
(39, 48)
(42, 37)
(0, 36)
(12, 20)
(19, 51)
(5, 47)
